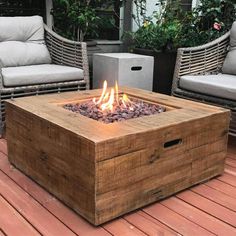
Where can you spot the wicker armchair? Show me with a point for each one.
(62, 52)
(205, 59)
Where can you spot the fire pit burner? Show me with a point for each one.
(113, 106)
(137, 108)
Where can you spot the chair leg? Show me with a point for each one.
(2, 122)
(2, 129)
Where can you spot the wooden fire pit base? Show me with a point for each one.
(105, 170)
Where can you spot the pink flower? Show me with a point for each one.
(217, 26)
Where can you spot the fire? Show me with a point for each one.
(111, 99)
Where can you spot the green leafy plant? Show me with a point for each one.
(75, 19)
(170, 27)
(160, 31)
(208, 21)
(81, 19)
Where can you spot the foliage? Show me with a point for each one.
(170, 27)
(208, 21)
(79, 19)
(162, 30)
(74, 19)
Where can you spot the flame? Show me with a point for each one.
(109, 100)
(103, 93)
(109, 104)
(117, 93)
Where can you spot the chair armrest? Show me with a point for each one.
(201, 59)
(67, 52)
(1, 79)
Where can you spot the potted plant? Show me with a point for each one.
(208, 21)
(75, 19)
(159, 36)
(170, 27)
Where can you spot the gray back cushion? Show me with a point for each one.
(22, 41)
(229, 66)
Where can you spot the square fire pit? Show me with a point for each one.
(105, 170)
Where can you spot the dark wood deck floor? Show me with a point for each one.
(207, 209)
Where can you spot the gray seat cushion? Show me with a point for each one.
(229, 66)
(220, 85)
(39, 74)
(16, 53)
(22, 41)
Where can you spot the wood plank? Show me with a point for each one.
(149, 225)
(57, 208)
(56, 164)
(231, 162)
(230, 170)
(47, 108)
(175, 221)
(168, 174)
(122, 227)
(12, 223)
(222, 186)
(199, 217)
(3, 146)
(38, 216)
(229, 179)
(121, 171)
(2, 233)
(231, 155)
(215, 196)
(206, 205)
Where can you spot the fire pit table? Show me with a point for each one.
(103, 170)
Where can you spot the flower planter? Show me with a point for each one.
(164, 65)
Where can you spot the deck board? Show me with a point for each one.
(149, 225)
(222, 187)
(229, 179)
(63, 213)
(207, 209)
(216, 196)
(2, 233)
(231, 162)
(199, 217)
(175, 220)
(12, 222)
(208, 206)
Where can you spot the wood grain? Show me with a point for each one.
(31, 209)
(105, 170)
(226, 215)
(176, 221)
(197, 216)
(12, 223)
(222, 187)
(55, 207)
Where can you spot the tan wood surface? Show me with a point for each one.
(105, 170)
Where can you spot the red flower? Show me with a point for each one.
(217, 26)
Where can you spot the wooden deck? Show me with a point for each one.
(207, 209)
